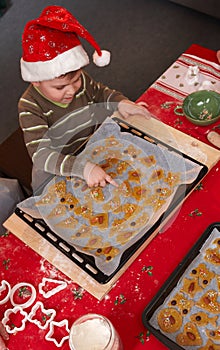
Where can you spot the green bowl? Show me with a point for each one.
(202, 107)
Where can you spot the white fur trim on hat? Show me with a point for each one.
(68, 61)
(102, 60)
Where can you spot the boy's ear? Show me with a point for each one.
(35, 83)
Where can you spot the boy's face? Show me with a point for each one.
(61, 89)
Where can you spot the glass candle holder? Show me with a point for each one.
(94, 332)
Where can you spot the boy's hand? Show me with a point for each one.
(96, 176)
(128, 108)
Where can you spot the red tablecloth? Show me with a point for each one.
(125, 303)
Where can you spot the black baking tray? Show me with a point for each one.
(170, 284)
(87, 262)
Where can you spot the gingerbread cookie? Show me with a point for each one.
(218, 282)
(163, 192)
(111, 141)
(108, 163)
(191, 286)
(172, 178)
(112, 204)
(117, 224)
(85, 210)
(156, 176)
(112, 153)
(97, 151)
(134, 176)
(122, 167)
(83, 232)
(123, 237)
(93, 243)
(97, 194)
(210, 346)
(148, 161)
(99, 220)
(204, 275)
(213, 256)
(124, 189)
(155, 202)
(59, 210)
(209, 302)
(202, 319)
(190, 336)
(49, 198)
(108, 251)
(59, 188)
(68, 223)
(169, 320)
(214, 334)
(182, 303)
(70, 200)
(128, 209)
(132, 151)
(139, 192)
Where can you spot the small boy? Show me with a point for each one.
(55, 110)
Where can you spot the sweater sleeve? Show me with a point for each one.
(102, 93)
(39, 143)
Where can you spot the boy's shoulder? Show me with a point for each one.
(29, 93)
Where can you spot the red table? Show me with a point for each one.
(125, 303)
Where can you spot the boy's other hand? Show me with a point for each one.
(96, 176)
(127, 108)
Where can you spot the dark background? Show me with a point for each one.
(144, 37)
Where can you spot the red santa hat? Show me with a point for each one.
(51, 46)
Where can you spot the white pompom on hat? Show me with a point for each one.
(51, 46)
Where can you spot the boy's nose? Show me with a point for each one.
(71, 90)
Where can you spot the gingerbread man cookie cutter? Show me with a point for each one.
(48, 315)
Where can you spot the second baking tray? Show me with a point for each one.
(169, 286)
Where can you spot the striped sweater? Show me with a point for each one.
(52, 133)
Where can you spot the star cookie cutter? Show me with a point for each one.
(32, 298)
(49, 335)
(60, 286)
(4, 285)
(13, 329)
(48, 315)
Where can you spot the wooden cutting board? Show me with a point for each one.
(196, 149)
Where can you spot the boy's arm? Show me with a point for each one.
(101, 93)
(39, 143)
(115, 100)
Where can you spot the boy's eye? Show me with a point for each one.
(59, 87)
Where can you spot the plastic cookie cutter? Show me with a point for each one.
(20, 318)
(60, 285)
(47, 315)
(25, 290)
(3, 287)
(50, 335)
